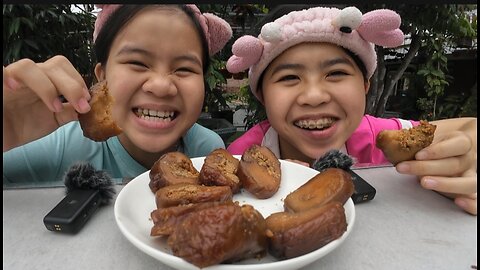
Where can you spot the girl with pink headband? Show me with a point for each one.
(311, 68)
(153, 58)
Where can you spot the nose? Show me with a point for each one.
(313, 94)
(160, 85)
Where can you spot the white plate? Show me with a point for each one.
(136, 201)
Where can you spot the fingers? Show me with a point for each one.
(9, 83)
(457, 185)
(468, 204)
(68, 81)
(452, 144)
(452, 166)
(49, 80)
(66, 115)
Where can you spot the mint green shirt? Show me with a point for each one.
(45, 161)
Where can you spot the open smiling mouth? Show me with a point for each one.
(317, 124)
(152, 115)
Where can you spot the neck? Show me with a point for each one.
(147, 159)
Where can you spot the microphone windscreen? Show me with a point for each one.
(83, 175)
(333, 159)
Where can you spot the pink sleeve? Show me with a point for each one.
(252, 136)
(361, 144)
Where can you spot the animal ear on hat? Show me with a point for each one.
(246, 50)
(219, 32)
(102, 17)
(381, 27)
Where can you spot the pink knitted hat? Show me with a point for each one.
(216, 30)
(347, 28)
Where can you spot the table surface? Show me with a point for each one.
(403, 227)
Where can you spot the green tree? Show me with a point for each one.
(39, 32)
(433, 29)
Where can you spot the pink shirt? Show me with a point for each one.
(361, 145)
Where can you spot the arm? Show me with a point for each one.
(448, 165)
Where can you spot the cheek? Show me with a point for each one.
(193, 94)
(277, 105)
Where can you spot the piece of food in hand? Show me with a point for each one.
(332, 184)
(98, 124)
(172, 168)
(225, 233)
(219, 169)
(185, 193)
(401, 145)
(165, 220)
(259, 171)
(294, 234)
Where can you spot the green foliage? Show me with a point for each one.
(255, 110)
(214, 88)
(469, 107)
(39, 32)
(216, 99)
(439, 36)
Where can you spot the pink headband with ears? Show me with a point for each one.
(347, 28)
(217, 31)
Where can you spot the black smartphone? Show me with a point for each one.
(71, 213)
(363, 190)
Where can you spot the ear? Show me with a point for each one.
(99, 72)
(367, 86)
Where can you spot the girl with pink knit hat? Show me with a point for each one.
(311, 68)
(153, 58)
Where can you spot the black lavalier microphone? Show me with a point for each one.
(86, 190)
(336, 159)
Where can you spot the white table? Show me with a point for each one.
(403, 227)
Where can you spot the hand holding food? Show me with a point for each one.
(98, 124)
(401, 145)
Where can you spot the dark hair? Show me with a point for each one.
(124, 14)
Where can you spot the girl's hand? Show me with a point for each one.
(32, 106)
(449, 166)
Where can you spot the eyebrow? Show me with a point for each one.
(131, 50)
(323, 64)
(185, 57)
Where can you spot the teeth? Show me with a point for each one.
(315, 124)
(154, 115)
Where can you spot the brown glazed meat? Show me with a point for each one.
(165, 220)
(219, 169)
(295, 234)
(401, 145)
(172, 168)
(225, 233)
(98, 124)
(185, 193)
(259, 171)
(333, 184)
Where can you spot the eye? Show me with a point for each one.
(187, 70)
(184, 69)
(137, 63)
(337, 73)
(288, 78)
